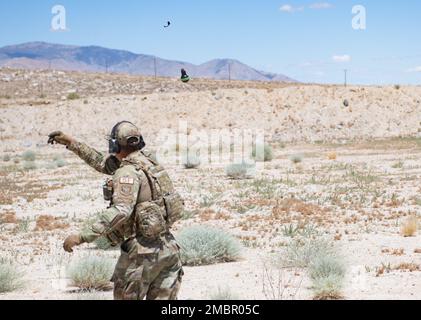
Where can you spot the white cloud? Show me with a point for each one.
(416, 69)
(290, 9)
(286, 8)
(321, 6)
(315, 6)
(343, 58)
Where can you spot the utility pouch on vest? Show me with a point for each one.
(174, 206)
(107, 190)
(150, 220)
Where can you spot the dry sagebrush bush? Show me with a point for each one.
(262, 153)
(29, 156)
(300, 253)
(191, 161)
(223, 294)
(327, 273)
(409, 227)
(324, 265)
(332, 156)
(202, 245)
(10, 276)
(239, 171)
(91, 272)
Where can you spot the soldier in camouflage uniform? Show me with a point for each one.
(143, 207)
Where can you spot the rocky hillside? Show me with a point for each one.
(40, 55)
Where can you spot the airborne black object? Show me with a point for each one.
(168, 24)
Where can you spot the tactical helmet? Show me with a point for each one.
(125, 134)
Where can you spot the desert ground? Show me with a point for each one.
(346, 164)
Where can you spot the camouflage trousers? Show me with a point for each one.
(154, 273)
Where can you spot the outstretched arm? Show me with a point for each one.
(95, 159)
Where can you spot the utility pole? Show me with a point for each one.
(346, 74)
(154, 66)
(106, 66)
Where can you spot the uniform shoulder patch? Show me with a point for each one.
(126, 180)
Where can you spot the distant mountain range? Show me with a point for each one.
(41, 55)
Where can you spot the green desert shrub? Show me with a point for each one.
(10, 276)
(73, 96)
(29, 156)
(202, 245)
(300, 252)
(60, 163)
(266, 155)
(296, 159)
(29, 165)
(91, 272)
(327, 273)
(326, 265)
(191, 160)
(239, 171)
(223, 294)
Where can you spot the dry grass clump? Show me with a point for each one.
(8, 217)
(332, 156)
(48, 223)
(286, 212)
(403, 267)
(409, 227)
(394, 252)
(407, 267)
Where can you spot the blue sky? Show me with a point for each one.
(309, 40)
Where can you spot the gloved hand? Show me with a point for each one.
(72, 241)
(60, 138)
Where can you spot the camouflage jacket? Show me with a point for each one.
(131, 186)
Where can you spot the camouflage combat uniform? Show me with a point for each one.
(149, 266)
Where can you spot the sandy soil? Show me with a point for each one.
(357, 180)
